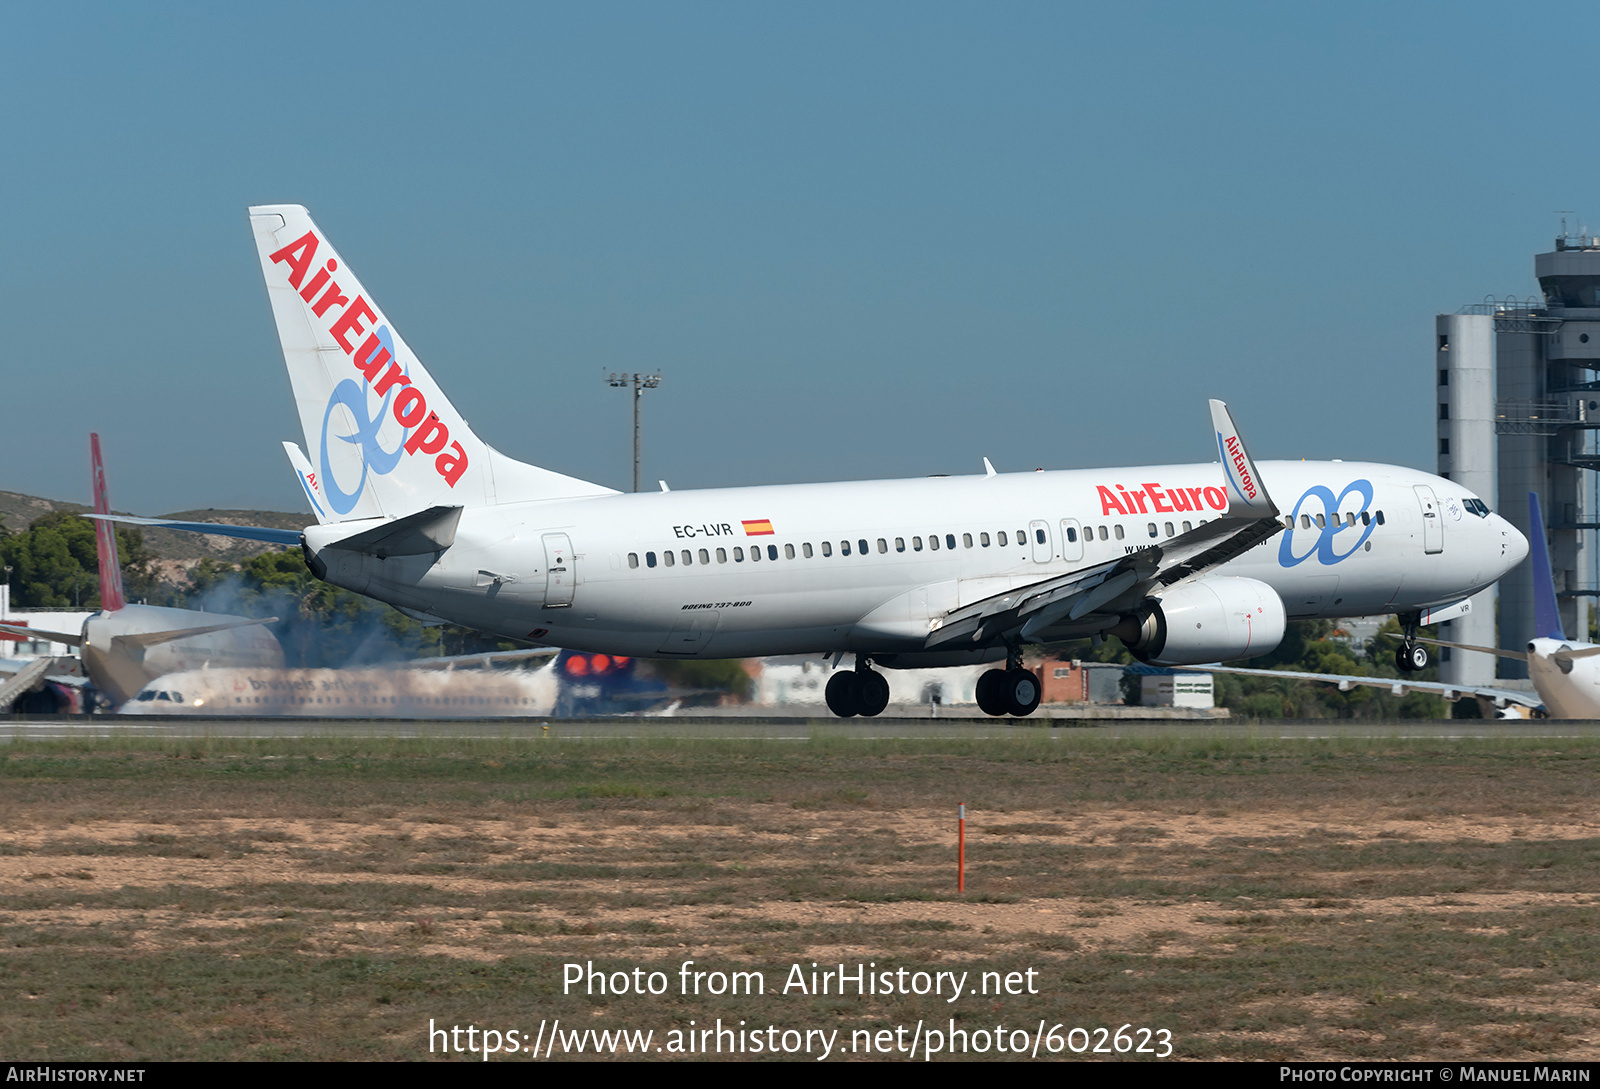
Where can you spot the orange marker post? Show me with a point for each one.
(961, 847)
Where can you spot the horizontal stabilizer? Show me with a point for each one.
(145, 640)
(249, 533)
(431, 530)
(23, 632)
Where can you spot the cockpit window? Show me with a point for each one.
(1476, 506)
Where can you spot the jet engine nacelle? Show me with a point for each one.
(1210, 620)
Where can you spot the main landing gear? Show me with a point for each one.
(861, 691)
(1410, 656)
(1009, 691)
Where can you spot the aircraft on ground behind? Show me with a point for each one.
(1184, 563)
(124, 646)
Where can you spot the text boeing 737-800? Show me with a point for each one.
(1184, 563)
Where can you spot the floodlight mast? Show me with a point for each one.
(639, 382)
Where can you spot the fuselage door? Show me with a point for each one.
(1432, 524)
(1071, 539)
(1039, 534)
(558, 567)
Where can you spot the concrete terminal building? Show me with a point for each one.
(1518, 407)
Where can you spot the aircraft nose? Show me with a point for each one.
(1514, 546)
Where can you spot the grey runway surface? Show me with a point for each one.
(768, 728)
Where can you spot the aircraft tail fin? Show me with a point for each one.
(1546, 617)
(381, 436)
(105, 534)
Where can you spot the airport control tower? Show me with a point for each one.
(1541, 359)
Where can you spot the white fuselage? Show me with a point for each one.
(118, 666)
(853, 566)
(1571, 692)
(351, 693)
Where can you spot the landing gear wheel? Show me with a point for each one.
(990, 692)
(1022, 692)
(841, 695)
(1412, 658)
(871, 692)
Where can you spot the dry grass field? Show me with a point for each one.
(317, 899)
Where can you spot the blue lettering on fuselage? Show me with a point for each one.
(1322, 546)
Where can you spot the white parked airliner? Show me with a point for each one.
(1184, 563)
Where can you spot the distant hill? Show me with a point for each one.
(17, 511)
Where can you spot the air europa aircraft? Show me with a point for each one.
(1565, 672)
(1184, 563)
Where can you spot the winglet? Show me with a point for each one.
(1247, 494)
(1546, 617)
(105, 534)
(308, 479)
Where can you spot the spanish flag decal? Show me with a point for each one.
(757, 527)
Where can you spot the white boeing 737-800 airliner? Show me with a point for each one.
(1184, 563)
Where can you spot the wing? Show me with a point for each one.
(486, 659)
(1090, 600)
(1398, 686)
(248, 533)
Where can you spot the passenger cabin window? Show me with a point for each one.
(633, 559)
(649, 559)
(1119, 532)
(883, 546)
(949, 540)
(827, 548)
(667, 556)
(1169, 529)
(805, 550)
(738, 555)
(899, 544)
(788, 551)
(705, 557)
(1000, 538)
(983, 539)
(863, 544)
(933, 542)
(844, 548)
(1152, 529)
(1038, 535)
(916, 544)
(1380, 517)
(722, 555)
(1072, 535)
(1103, 533)
(688, 557)
(966, 540)
(755, 553)
(772, 552)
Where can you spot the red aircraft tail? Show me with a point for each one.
(105, 534)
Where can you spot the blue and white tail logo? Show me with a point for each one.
(382, 438)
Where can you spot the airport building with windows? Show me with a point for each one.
(1518, 406)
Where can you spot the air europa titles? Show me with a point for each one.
(1241, 465)
(1154, 499)
(410, 407)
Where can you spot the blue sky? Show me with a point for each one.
(858, 240)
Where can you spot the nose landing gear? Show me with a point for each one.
(1410, 656)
